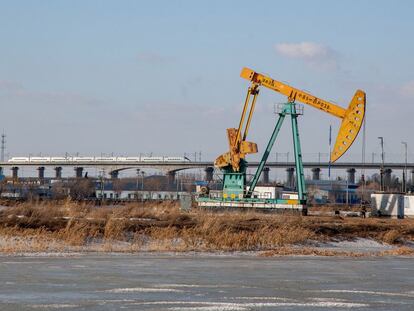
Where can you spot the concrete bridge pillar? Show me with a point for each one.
(15, 172)
(316, 173)
(78, 172)
(1, 171)
(171, 178)
(114, 174)
(387, 178)
(266, 179)
(209, 173)
(290, 179)
(41, 172)
(351, 175)
(58, 172)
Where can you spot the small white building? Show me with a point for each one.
(11, 195)
(288, 195)
(409, 205)
(261, 192)
(126, 195)
(265, 192)
(397, 205)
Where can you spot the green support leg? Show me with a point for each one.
(300, 176)
(265, 156)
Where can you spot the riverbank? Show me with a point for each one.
(161, 227)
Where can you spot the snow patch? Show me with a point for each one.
(367, 292)
(54, 306)
(223, 306)
(142, 290)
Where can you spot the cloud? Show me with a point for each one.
(10, 86)
(151, 57)
(407, 90)
(190, 84)
(16, 97)
(313, 54)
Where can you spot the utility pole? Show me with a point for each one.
(404, 182)
(102, 185)
(137, 185)
(330, 151)
(363, 162)
(347, 193)
(3, 146)
(382, 163)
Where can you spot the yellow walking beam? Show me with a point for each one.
(352, 117)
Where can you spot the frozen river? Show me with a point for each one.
(204, 283)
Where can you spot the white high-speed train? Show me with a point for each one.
(96, 159)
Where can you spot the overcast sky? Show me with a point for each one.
(134, 77)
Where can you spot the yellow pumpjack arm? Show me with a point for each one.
(238, 146)
(352, 118)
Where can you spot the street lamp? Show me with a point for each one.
(102, 185)
(137, 184)
(142, 180)
(382, 163)
(404, 185)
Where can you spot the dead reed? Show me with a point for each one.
(163, 227)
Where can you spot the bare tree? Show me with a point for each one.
(82, 189)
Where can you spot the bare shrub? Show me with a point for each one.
(391, 237)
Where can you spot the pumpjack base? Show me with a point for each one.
(276, 205)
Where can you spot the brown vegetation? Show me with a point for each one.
(60, 226)
(313, 251)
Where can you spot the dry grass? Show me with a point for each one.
(392, 236)
(163, 227)
(312, 251)
(401, 251)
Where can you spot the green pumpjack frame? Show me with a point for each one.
(234, 183)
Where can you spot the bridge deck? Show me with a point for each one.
(190, 165)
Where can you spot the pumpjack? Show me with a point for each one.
(236, 191)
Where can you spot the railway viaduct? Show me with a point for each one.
(170, 168)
